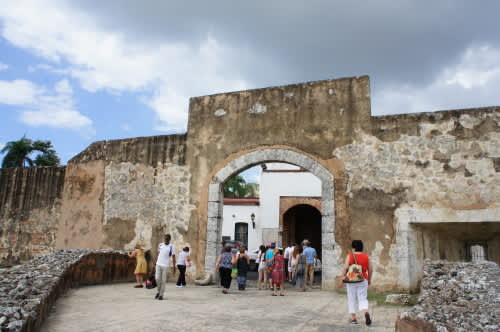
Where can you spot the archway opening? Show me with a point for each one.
(270, 232)
(303, 222)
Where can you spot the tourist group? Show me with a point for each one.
(294, 264)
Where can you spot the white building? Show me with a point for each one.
(287, 210)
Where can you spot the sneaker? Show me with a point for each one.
(368, 319)
(354, 321)
(160, 297)
(178, 286)
(157, 296)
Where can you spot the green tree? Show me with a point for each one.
(20, 153)
(238, 187)
(235, 187)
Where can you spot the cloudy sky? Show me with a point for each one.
(78, 71)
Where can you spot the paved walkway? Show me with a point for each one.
(120, 307)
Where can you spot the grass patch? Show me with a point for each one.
(379, 298)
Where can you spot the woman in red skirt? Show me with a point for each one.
(278, 272)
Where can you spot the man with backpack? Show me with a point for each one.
(165, 252)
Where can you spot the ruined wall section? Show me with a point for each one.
(29, 208)
(141, 203)
(442, 160)
(139, 150)
(123, 192)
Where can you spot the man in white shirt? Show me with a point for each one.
(165, 252)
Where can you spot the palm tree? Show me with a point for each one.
(17, 153)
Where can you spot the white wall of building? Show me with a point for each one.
(241, 213)
(273, 185)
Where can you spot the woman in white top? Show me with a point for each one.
(294, 260)
(262, 267)
(183, 261)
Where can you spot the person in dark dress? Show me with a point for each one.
(242, 263)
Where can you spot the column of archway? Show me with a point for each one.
(215, 205)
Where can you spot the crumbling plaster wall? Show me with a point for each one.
(147, 202)
(438, 162)
(123, 192)
(30, 204)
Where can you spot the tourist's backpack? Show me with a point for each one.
(354, 272)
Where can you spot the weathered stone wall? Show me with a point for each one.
(30, 201)
(123, 192)
(455, 297)
(28, 292)
(443, 162)
(310, 119)
(152, 150)
(141, 203)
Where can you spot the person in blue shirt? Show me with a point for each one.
(269, 262)
(310, 254)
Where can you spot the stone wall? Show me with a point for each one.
(455, 297)
(123, 192)
(150, 150)
(307, 119)
(28, 292)
(141, 203)
(439, 162)
(30, 201)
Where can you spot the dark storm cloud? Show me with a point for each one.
(392, 41)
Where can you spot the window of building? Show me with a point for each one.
(241, 233)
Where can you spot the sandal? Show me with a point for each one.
(368, 319)
(354, 321)
(138, 286)
(273, 294)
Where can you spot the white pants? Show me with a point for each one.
(161, 278)
(356, 294)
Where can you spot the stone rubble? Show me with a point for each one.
(456, 297)
(28, 291)
(403, 299)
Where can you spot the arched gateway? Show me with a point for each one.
(215, 201)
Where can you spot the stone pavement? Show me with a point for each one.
(120, 307)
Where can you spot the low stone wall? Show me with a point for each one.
(455, 297)
(28, 291)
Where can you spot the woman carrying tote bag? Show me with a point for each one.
(357, 292)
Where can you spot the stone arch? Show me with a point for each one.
(215, 204)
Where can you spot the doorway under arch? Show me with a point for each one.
(331, 263)
(302, 222)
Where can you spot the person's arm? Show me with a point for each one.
(234, 259)
(132, 254)
(217, 263)
(370, 269)
(248, 259)
(346, 266)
